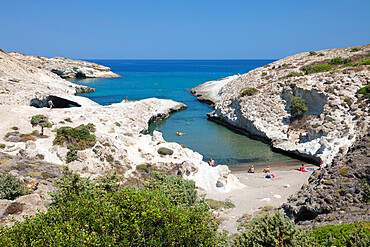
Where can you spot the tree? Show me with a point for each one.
(42, 121)
(298, 107)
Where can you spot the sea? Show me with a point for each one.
(173, 79)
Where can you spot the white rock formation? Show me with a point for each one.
(66, 68)
(337, 114)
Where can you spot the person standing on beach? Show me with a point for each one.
(288, 134)
(50, 103)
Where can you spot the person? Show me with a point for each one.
(50, 103)
(126, 99)
(211, 162)
(267, 170)
(193, 119)
(251, 170)
(288, 134)
(301, 169)
(188, 123)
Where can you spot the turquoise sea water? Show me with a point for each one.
(172, 79)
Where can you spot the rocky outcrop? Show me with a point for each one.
(25, 205)
(336, 113)
(66, 68)
(23, 83)
(338, 193)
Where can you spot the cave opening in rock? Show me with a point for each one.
(80, 75)
(57, 101)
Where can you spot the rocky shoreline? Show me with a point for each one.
(336, 112)
(120, 143)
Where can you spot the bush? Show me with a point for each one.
(41, 121)
(79, 137)
(180, 191)
(309, 69)
(292, 74)
(72, 155)
(298, 107)
(102, 213)
(165, 151)
(264, 73)
(312, 53)
(216, 205)
(365, 90)
(10, 187)
(366, 62)
(285, 65)
(340, 60)
(348, 101)
(344, 235)
(266, 66)
(248, 91)
(355, 49)
(273, 230)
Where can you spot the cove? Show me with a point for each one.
(172, 79)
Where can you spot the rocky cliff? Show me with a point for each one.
(23, 83)
(340, 193)
(258, 102)
(66, 68)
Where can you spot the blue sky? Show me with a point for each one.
(202, 29)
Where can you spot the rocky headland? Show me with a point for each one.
(65, 67)
(258, 103)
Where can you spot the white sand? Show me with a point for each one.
(260, 191)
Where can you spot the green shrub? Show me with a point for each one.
(10, 187)
(293, 74)
(266, 66)
(72, 155)
(14, 128)
(41, 121)
(285, 65)
(365, 90)
(273, 230)
(355, 49)
(248, 91)
(348, 101)
(312, 53)
(179, 191)
(309, 69)
(2, 145)
(366, 62)
(216, 205)
(117, 124)
(165, 151)
(344, 235)
(329, 182)
(298, 107)
(340, 60)
(102, 213)
(79, 137)
(264, 73)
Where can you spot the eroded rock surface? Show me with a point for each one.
(335, 194)
(66, 68)
(336, 113)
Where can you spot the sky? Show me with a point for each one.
(172, 29)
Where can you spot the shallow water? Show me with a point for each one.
(172, 79)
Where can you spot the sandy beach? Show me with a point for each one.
(261, 191)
